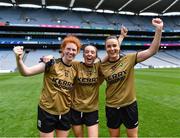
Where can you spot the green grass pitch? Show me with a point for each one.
(158, 96)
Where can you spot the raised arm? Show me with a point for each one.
(123, 34)
(23, 69)
(153, 49)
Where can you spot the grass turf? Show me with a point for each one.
(158, 96)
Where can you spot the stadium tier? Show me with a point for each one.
(41, 30)
(76, 19)
(162, 59)
(46, 28)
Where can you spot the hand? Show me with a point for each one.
(124, 31)
(158, 23)
(46, 59)
(18, 50)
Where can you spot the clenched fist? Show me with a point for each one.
(158, 23)
(124, 31)
(18, 50)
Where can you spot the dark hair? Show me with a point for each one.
(111, 37)
(84, 47)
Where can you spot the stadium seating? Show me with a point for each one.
(83, 19)
(7, 60)
(160, 60)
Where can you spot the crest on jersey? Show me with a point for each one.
(115, 66)
(89, 72)
(66, 73)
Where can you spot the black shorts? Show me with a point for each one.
(47, 122)
(127, 115)
(79, 118)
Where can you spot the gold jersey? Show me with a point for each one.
(85, 94)
(119, 76)
(57, 86)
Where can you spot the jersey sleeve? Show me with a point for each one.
(132, 58)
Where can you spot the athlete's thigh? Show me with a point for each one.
(93, 131)
(48, 135)
(62, 133)
(78, 130)
(132, 132)
(114, 132)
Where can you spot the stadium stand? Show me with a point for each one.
(7, 61)
(41, 30)
(25, 16)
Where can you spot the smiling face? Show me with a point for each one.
(70, 48)
(69, 52)
(112, 49)
(89, 54)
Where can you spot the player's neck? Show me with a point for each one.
(113, 59)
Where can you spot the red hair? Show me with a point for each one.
(71, 39)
